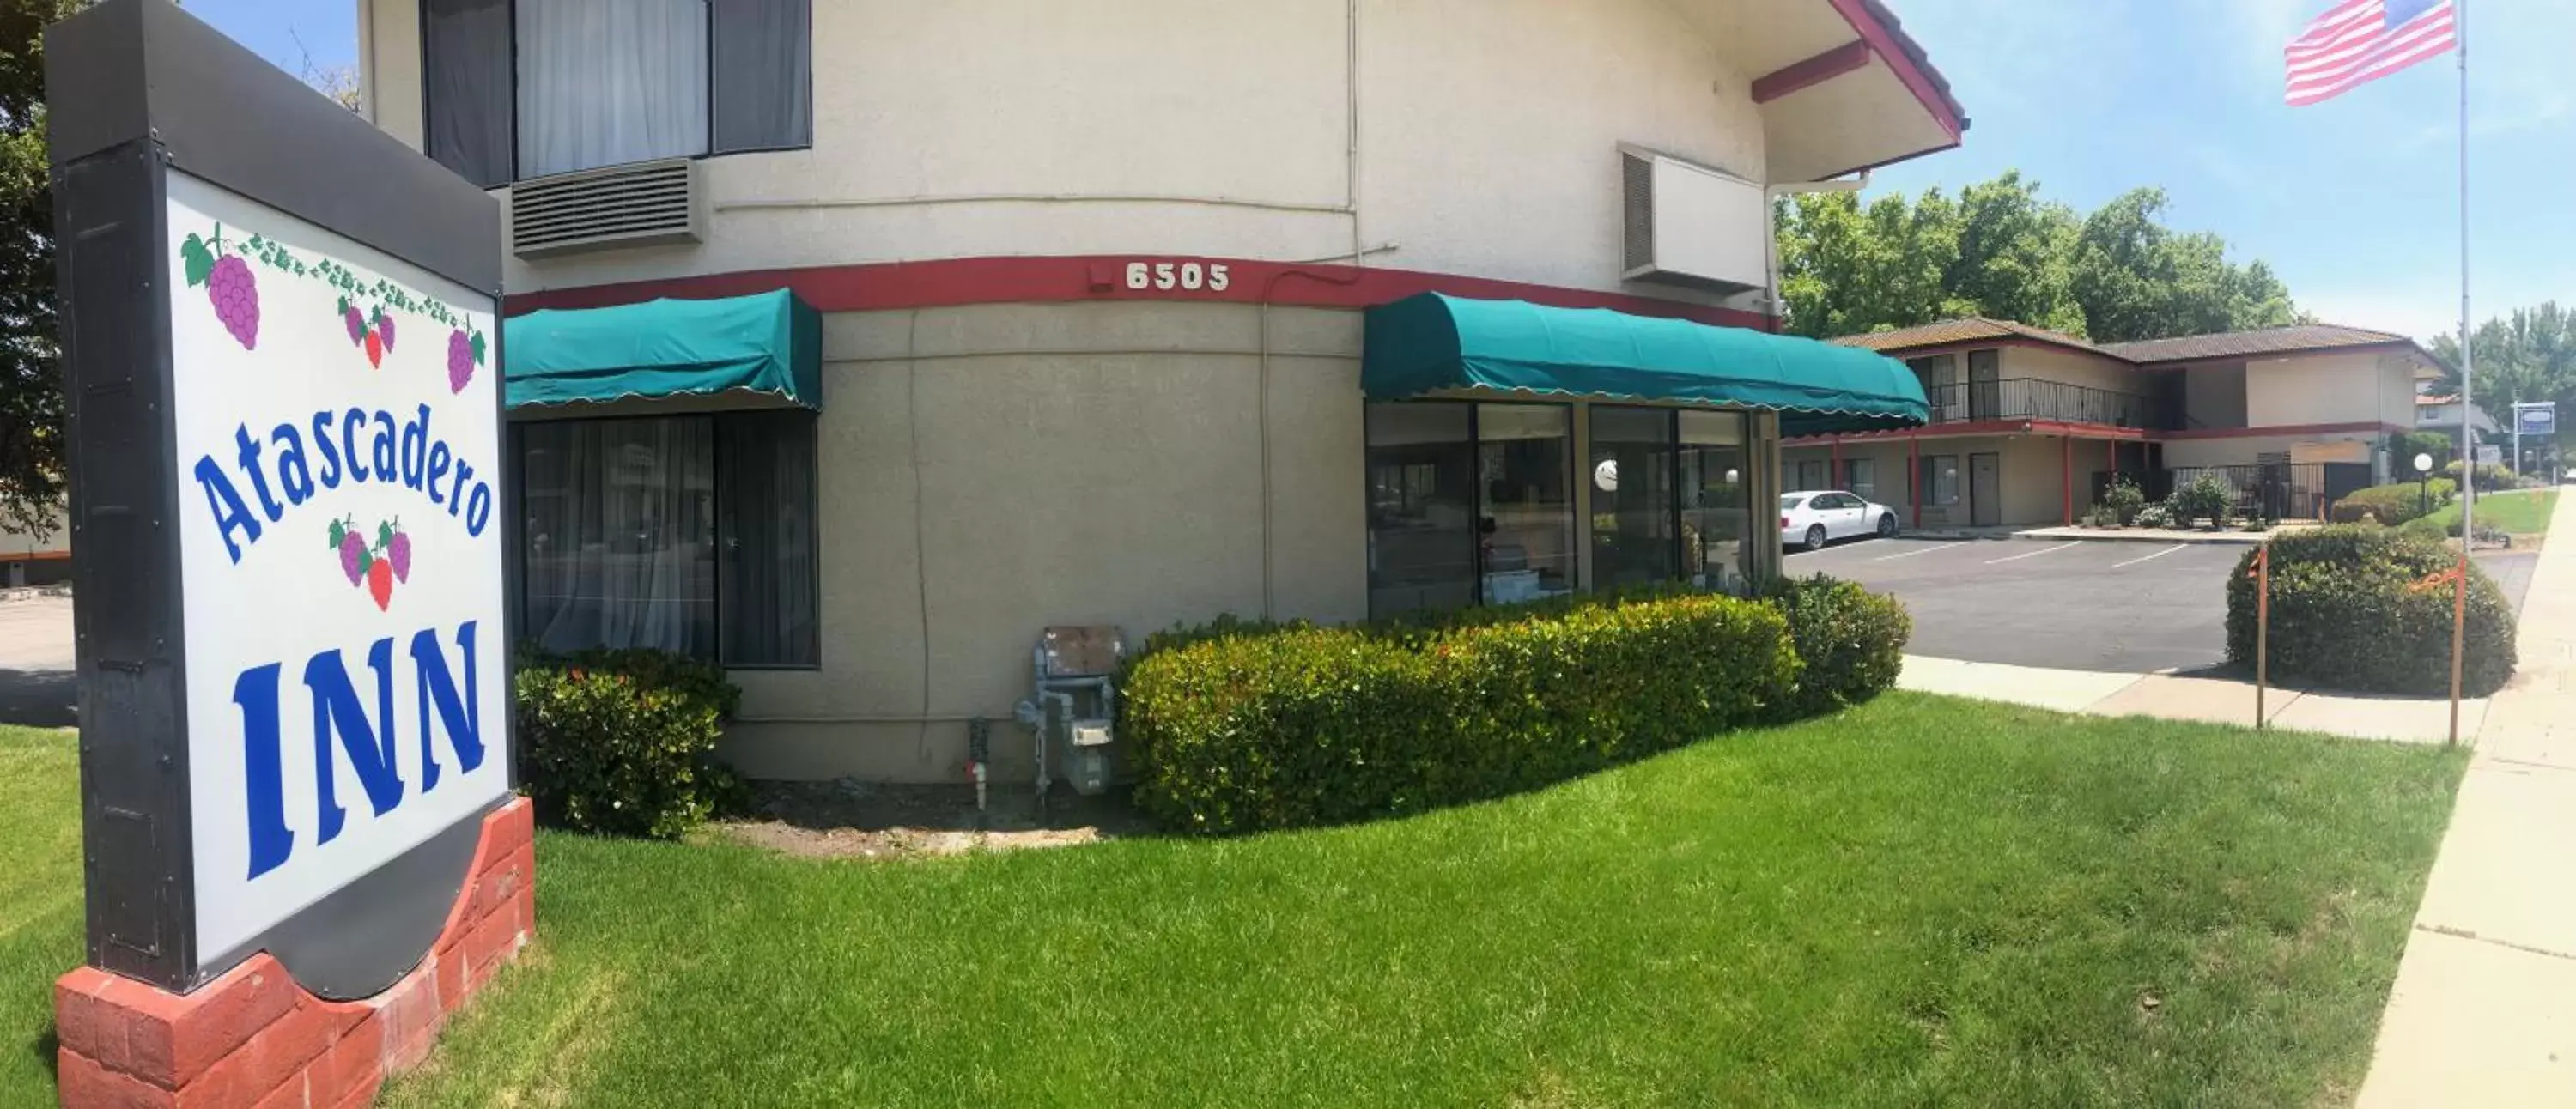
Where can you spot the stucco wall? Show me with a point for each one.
(2364, 387)
(988, 471)
(2074, 368)
(2246, 451)
(1487, 135)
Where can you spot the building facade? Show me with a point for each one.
(1094, 282)
(2028, 426)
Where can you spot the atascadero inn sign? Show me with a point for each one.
(288, 480)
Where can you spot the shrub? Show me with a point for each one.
(1300, 726)
(2155, 516)
(623, 742)
(2347, 613)
(2124, 500)
(2393, 504)
(2491, 475)
(1851, 640)
(2207, 497)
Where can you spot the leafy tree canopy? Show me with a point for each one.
(2527, 355)
(2001, 250)
(31, 395)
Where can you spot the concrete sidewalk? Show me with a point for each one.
(2208, 700)
(2484, 1009)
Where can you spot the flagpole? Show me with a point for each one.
(2468, 354)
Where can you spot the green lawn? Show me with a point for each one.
(1923, 902)
(40, 902)
(2521, 512)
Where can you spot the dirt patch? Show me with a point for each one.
(860, 820)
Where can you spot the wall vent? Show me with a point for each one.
(644, 204)
(1693, 226)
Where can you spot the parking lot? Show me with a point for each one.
(2115, 607)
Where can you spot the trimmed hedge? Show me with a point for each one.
(1852, 641)
(1241, 726)
(2393, 504)
(1306, 726)
(623, 742)
(2346, 614)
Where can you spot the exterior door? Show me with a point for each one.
(1985, 388)
(1985, 490)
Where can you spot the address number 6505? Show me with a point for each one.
(1166, 276)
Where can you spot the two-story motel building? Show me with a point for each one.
(1017, 313)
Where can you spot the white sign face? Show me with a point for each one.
(338, 449)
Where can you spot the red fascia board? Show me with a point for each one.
(952, 282)
(2282, 429)
(1955, 346)
(1918, 77)
(1851, 57)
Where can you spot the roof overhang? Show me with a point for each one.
(1840, 85)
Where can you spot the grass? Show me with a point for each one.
(40, 902)
(1925, 901)
(2519, 512)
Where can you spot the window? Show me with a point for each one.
(692, 534)
(1860, 475)
(1635, 534)
(1940, 377)
(1815, 474)
(1717, 517)
(526, 88)
(1940, 480)
(1468, 503)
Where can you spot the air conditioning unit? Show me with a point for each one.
(643, 204)
(1693, 226)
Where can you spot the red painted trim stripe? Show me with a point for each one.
(1984, 429)
(1851, 57)
(2282, 429)
(951, 282)
(1883, 42)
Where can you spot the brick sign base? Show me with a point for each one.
(254, 1038)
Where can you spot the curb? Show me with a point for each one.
(2240, 539)
(32, 592)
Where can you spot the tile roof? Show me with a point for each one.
(1970, 330)
(2247, 344)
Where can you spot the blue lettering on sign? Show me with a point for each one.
(409, 456)
(343, 727)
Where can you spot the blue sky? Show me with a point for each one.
(2354, 201)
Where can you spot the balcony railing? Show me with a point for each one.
(2038, 399)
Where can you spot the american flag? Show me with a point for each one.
(2364, 40)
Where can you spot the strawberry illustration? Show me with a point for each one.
(375, 350)
(380, 583)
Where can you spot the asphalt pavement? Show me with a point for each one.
(36, 682)
(2112, 607)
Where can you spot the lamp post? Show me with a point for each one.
(2424, 482)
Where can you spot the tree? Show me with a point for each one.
(2003, 251)
(31, 395)
(2529, 355)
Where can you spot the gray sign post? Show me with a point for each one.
(288, 478)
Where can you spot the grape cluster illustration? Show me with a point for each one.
(372, 330)
(375, 566)
(230, 286)
(464, 352)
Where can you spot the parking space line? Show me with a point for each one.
(2033, 554)
(1924, 551)
(2152, 557)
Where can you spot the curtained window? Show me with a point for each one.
(527, 88)
(691, 534)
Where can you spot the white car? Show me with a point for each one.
(1815, 518)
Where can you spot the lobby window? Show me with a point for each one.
(1636, 531)
(693, 534)
(1940, 480)
(1717, 521)
(1468, 503)
(526, 88)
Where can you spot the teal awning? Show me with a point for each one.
(767, 343)
(1431, 343)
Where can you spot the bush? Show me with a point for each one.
(2491, 476)
(2124, 500)
(2347, 613)
(2155, 516)
(1295, 726)
(2207, 497)
(1851, 640)
(623, 742)
(2393, 504)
